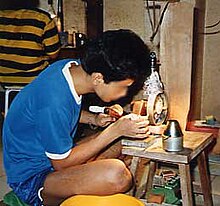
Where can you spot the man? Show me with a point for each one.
(28, 41)
(41, 159)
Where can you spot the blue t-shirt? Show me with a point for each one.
(41, 123)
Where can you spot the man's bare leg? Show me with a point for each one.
(100, 177)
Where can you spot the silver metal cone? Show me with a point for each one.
(173, 129)
(173, 137)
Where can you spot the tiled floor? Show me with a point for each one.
(215, 182)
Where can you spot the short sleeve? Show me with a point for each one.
(51, 39)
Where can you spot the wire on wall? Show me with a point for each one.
(149, 15)
(212, 26)
(160, 21)
(155, 27)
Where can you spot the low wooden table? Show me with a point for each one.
(195, 145)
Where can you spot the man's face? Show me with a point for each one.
(114, 90)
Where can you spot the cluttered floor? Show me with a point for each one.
(214, 167)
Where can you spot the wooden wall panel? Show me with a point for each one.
(176, 58)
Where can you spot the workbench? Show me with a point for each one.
(195, 147)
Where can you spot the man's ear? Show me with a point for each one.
(97, 78)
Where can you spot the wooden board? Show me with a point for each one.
(139, 143)
(176, 58)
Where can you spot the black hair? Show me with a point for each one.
(117, 55)
(18, 4)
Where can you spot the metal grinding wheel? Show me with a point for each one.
(157, 108)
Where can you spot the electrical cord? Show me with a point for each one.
(160, 21)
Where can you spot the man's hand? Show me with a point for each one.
(135, 126)
(132, 126)
(103, 120)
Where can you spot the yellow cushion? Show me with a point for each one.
(111, 200)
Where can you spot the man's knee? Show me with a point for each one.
(120, 177)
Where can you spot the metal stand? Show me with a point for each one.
(8, 90)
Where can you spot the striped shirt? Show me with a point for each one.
(27, 38)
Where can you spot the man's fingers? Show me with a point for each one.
(142, 130)
(157, 129)
(143, 123)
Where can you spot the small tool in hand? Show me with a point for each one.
(114, 111)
